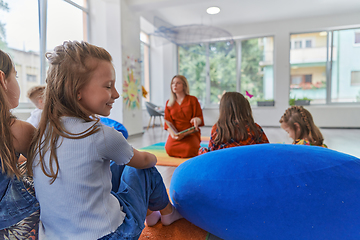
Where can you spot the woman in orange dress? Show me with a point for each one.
(183, 111)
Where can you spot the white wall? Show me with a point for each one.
(117, 29)
(163, 68)
(105, 31)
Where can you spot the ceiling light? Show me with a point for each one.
(213, 10)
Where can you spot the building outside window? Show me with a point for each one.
(345, 61)
(308, 67)
(20, 22)
(355, 78)
(357, 37)
(328, 71)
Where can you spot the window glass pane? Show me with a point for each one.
(308, 43)
(257, 68)
(60, 28)
(192, 64)
(19, 36)
(222, 70)
(308, 67)
(357, 37)
(345, 67)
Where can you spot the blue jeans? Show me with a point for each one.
(137, 190)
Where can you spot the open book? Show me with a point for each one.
(174, 131)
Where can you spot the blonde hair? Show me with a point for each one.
(185, 85)
(234, 117)
(36, 92)
(71, 67)
(308, 129)
(7, 150)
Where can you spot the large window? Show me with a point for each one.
(193, 65)
(325, 71)
(24, 37)
(20, 38)
(60, 28)
(212, 69)
(257, 69)
(308, 66)
(345, 66)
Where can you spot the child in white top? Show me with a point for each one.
(36, 96)
(80, 197)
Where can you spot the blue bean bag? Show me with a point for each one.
(116, 125)
(271, 191)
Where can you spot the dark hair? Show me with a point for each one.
(308, 129)
(235, 115)
(71, 66)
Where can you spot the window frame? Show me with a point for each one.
(42, 7)
(237, 45)
(329, 62)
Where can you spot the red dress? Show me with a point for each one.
(180, 116)
(232, 143)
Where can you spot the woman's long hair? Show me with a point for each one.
(7, 151)
(185, 85)
(71, 66)
(234, 118)
(308, 129)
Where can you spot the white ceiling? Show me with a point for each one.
(237, 12)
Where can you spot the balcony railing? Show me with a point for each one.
(309, 55)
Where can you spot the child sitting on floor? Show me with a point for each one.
(235, 126)
(80, 197)
(19, 209)
(36, 96)
(299, 124)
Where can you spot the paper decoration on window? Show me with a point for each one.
(248, 94)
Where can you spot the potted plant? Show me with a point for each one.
(299, 101)
(268, 102)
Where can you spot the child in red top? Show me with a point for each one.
(235, 126)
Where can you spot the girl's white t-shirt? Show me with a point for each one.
(79, 204)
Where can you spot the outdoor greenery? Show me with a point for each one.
(3, 7)
(251, 78)
(292, 100)
(192, 64)
(222, 69)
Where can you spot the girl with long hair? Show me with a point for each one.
(82, 194)
(19, 209)
(235, 126)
